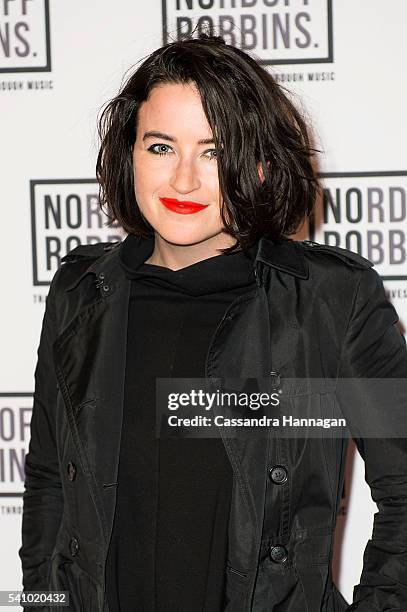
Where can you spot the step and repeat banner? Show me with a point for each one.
(343, 62)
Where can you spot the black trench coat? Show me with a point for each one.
(316, 312)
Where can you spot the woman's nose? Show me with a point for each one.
(185, 177)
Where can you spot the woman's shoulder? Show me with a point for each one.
(312, 261)
(340, 267)
(89, 251)
(298, 256)
(336, 272)
(315, 251)
(339, 270)
(78, 262)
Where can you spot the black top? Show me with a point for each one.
(169, 543)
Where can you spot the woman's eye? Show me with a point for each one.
(212, 151)
(162, 149)
(161, 146)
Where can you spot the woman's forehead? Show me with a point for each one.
(176, 110)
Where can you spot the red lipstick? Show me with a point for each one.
(184, 207)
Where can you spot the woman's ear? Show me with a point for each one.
(260, 170)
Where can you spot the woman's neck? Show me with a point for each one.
(177, 256)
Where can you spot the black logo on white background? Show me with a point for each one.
(366, 212)
(15, 417)
(276, 31)
(64, 214)
(25, 36)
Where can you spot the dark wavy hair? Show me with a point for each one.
(252, 120)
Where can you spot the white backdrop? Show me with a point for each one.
(60, 61)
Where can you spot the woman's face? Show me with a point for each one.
(174, 164)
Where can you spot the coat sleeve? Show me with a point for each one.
(375, 348)
(42, 498)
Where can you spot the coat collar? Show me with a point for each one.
(283, 255)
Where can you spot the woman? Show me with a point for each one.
(206, 164)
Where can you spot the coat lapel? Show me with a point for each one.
(259, 335)
(240, 349)
(90, 359)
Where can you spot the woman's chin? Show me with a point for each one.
(183, 236)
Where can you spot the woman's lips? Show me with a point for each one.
(184, 208)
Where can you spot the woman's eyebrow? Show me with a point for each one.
(154, 134)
